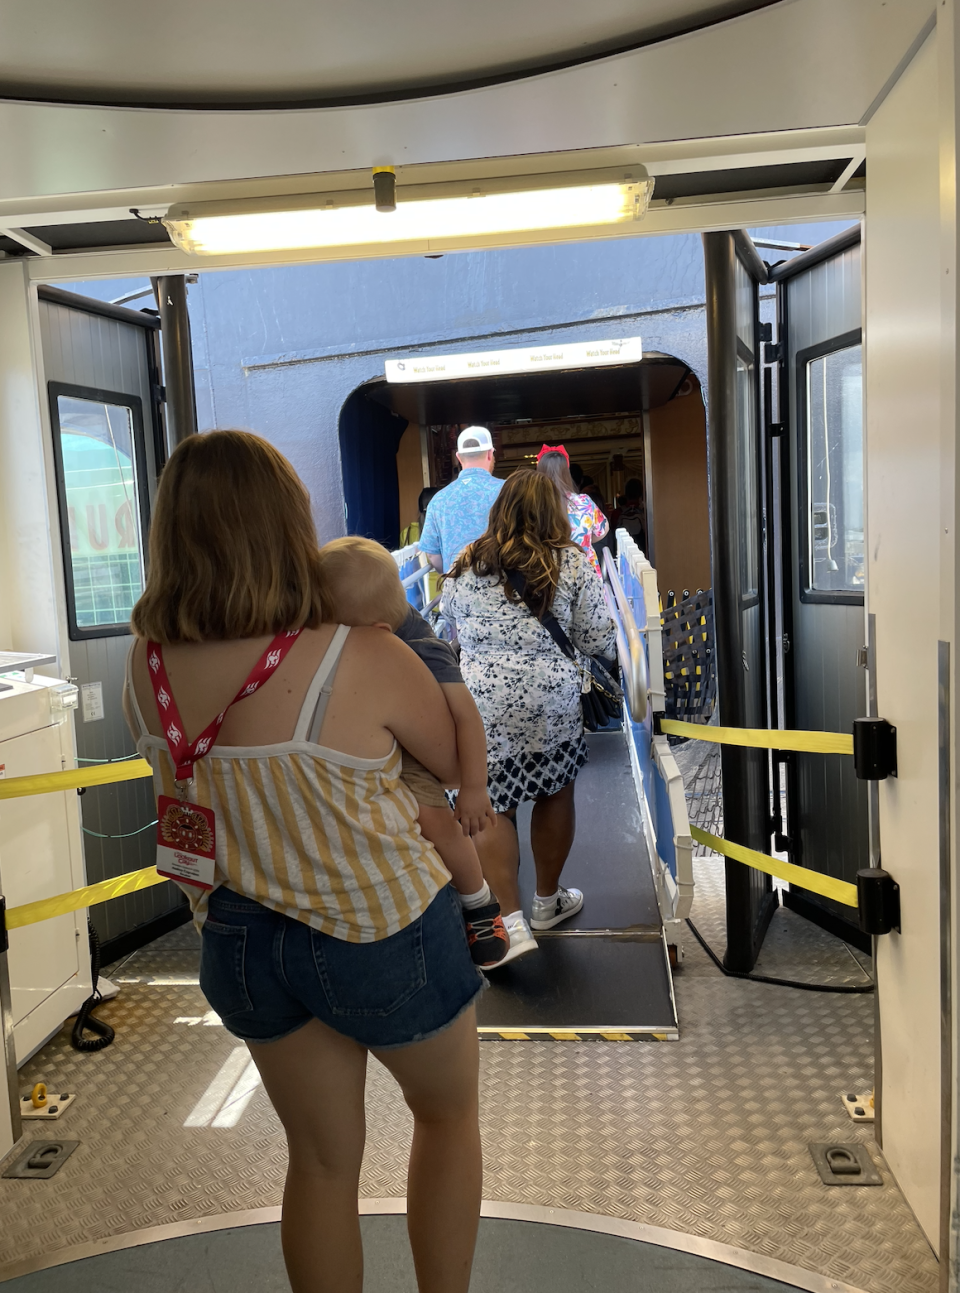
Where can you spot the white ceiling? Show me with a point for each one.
(236, 51)
(763, 81)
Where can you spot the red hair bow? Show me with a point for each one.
(554, 448)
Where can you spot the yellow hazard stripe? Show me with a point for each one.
(46, 908)
(762, 738)
(814, 881)
(102, 774)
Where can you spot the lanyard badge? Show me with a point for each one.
(187, 832)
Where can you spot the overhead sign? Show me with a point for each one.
(491, 363)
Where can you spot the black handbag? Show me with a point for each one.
(601, 698)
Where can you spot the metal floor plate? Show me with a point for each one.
(707, 1136)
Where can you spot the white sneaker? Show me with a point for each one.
(521, 940)
(548, 912)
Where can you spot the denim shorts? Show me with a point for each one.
(266, 974)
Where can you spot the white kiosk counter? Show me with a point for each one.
(47, 973)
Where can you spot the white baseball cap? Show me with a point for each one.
(474, 440)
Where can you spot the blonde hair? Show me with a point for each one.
(527, 531)
(233, 549)
(361, 583)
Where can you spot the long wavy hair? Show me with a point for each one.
(527, 532)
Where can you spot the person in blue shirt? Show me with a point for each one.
(459, 513)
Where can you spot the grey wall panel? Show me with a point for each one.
(84, 349)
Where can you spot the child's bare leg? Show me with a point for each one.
(457, 851)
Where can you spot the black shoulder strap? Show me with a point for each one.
(549, 621)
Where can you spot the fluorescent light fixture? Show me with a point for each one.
(351, 220)
(492, 363)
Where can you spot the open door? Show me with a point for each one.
(737, 471)
(101, 364)
(820, 437)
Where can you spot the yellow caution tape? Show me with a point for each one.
(814, 881)
(102, 774)
(767, 738)
(46, 908)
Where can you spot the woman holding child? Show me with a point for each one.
(524, 566)
(329, 928)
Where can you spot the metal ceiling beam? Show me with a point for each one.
(26, 240)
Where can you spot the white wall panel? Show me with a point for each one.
(31, 575)
(726, 80)
(904, 524)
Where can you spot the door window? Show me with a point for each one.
(101, 489)
(834, 436)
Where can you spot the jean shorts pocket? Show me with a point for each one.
(222, 977)
(370, 980)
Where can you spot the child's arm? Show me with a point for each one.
(473, 811)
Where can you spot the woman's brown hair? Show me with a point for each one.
(233, 549)
(555, 466)
(528, 530)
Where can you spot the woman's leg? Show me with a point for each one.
(439, 1082)
(315, 1080)
(499, 850)
(552, 828)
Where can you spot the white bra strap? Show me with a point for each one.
(318, 693)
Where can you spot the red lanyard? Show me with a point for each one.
(183, 753)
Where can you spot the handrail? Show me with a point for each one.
(414, 578)
(630, 648)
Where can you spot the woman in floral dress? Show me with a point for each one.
(587, 522)
(527, 690)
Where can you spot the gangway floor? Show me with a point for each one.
(605, 973)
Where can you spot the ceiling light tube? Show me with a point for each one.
(351, 220)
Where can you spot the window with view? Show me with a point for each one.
(101, 491)
(835, 472)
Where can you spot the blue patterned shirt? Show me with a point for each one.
(459, 514)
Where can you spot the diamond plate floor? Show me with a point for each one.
(708, 1135)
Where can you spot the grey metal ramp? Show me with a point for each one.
(604, 974)
(608, 860)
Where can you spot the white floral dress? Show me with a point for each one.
(526, 689)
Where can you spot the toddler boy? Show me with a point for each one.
(361, 586)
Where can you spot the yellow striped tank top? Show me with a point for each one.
(323, 837)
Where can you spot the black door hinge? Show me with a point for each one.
(4, 936)
(766, 332)
(776, 428)
(773, 352)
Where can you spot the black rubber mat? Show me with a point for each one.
(599, 982)
(609, 857)
(578, 981)
(511, 1256)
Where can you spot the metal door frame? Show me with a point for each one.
(751, 899)
(120, 400)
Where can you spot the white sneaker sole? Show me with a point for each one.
(539, 925)
(516, 949)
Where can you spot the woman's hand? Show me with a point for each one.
(474, 811)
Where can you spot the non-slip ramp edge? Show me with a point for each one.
(582, 989)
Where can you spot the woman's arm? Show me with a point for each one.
(414, 708)
(591, 628)
(601, 525)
